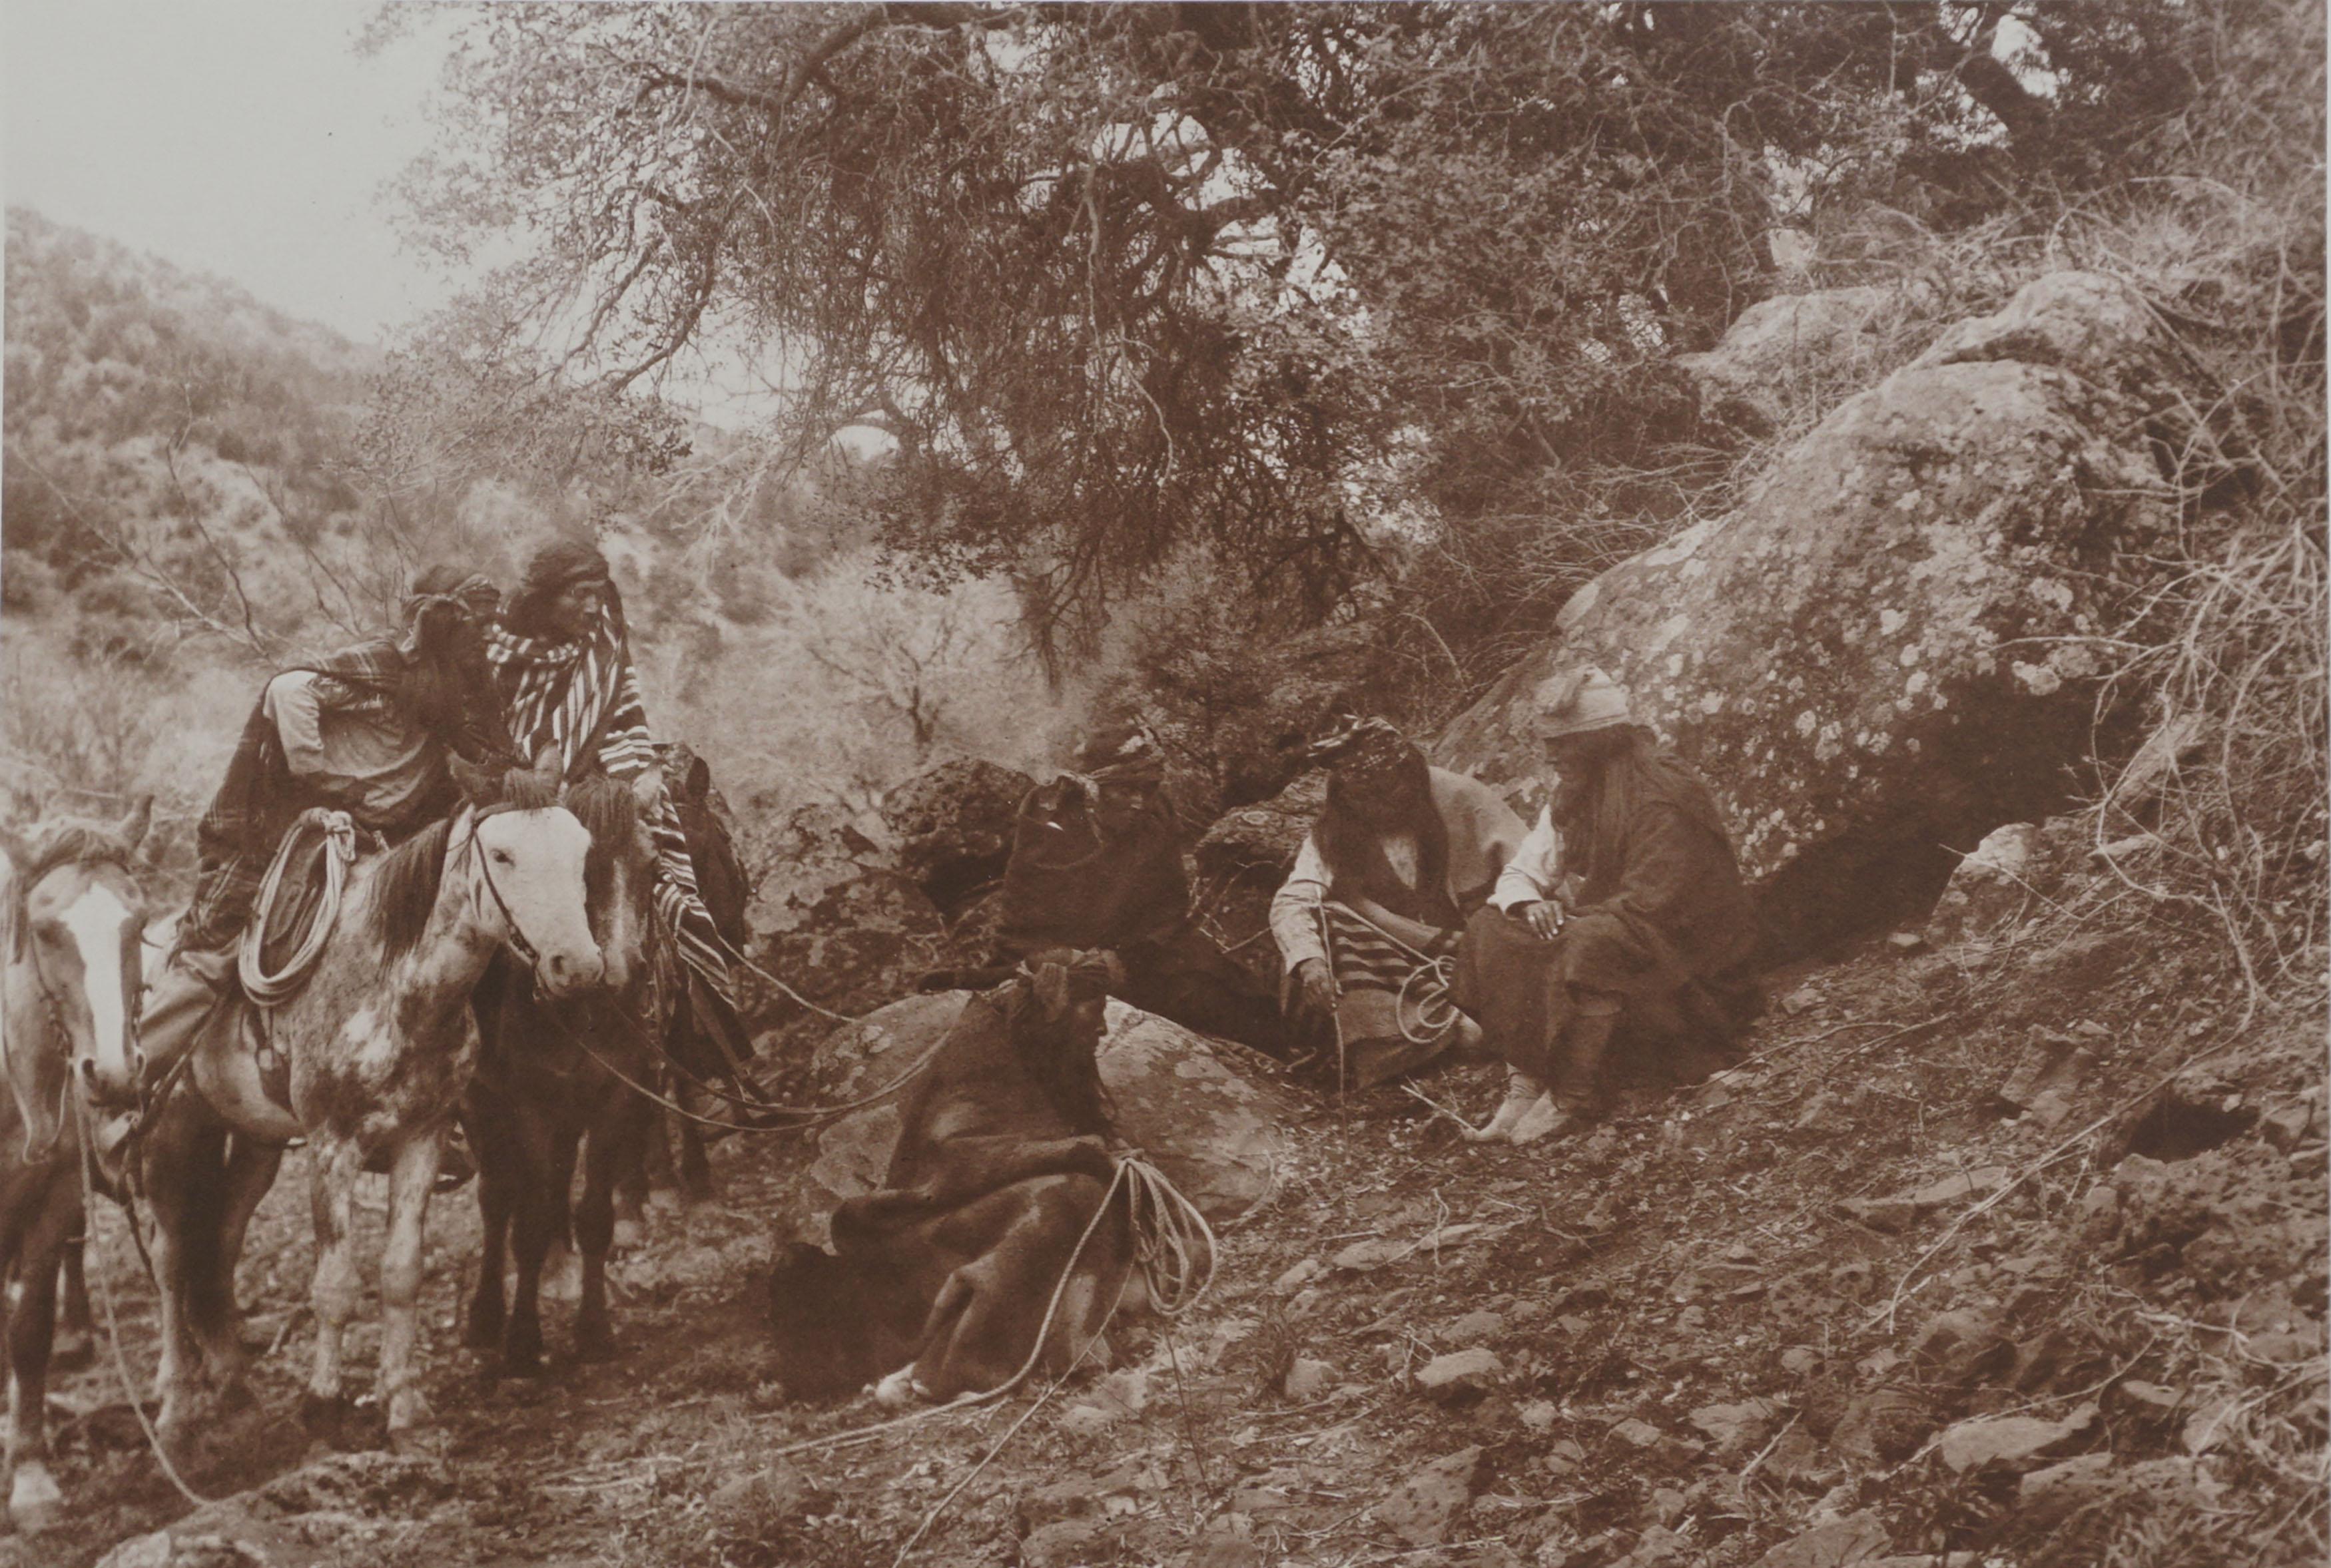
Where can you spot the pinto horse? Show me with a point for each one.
(552, 1077)
(71, 919)
(380, 1045)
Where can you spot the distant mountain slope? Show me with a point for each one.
(153, 412)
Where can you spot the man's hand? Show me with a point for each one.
(1545, 919)
(1314, 988)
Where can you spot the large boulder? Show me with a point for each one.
(952, 828)
(834, 917)
(1887, 649)
(1787, 352)
(1186, 1103)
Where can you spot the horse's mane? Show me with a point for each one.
(404, 889)
(75, 844)
(609, 813)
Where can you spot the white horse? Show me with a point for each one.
(381, 1043)
(71, 914)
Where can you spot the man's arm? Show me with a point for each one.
(297, 711)
(1536, 870)
(1295, 908)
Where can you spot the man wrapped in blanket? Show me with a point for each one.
(562, 665)
(1400, 855)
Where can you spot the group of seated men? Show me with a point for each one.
(1421, 917)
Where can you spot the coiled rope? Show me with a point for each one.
(1172, 1254)
(267, 989)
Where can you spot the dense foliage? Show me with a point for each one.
(1124, 280)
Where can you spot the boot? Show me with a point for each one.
(1522, 1093)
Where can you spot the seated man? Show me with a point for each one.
(1625, 906)
(1097, 864)
(1379, 890)
(366, 731)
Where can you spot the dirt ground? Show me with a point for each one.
(2022, 1259)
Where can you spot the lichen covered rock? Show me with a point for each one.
(1886, 649)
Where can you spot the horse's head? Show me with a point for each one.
(619, 875)
(75, 919)
(532, 855)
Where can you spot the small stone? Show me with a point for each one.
(1840, 1543)
(2008, 1441)
(1475, 1328)
(1800, 1361)
(1667, 1505)
(1635, 1433)
(1064, 1545)
(1460, 1375)
(1308, 1379)
(1421, 1509)
(1540, 1414)
(1220, 1548)
(1299, 1275)
(2148, 1396)
(2046, 1496)
(1799, 1000)
(2286, 1129)
(1904, 943)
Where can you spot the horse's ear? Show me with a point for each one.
(133, 827)
(699, 778)
(547, 762)
(480, 786)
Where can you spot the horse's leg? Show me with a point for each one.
(695, 1166)
(410, 1182)
(250, 1175)
(538, 1214)
(76, 1337)
(618, 1143)
(332, 1197)
(630, 1197)
(498, 1185)
(182, 1148)
(32, 1494)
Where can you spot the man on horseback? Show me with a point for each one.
(562, 662)
(366, 731)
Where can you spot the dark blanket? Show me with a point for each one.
(1672, 936)
(1000, 1168)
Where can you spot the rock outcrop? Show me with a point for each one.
(1781, 353)
(1216, 1132)
(1890, 646)
(837, 919)
(952, 827)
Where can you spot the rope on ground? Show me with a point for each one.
(1169, 1234)
(87, 1156)
(340, 850)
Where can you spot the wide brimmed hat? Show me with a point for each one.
(1577, 701)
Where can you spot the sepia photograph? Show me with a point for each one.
(1269, 784)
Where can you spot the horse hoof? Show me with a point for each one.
(482, 1333)
(898, 1391)
(35, 1503)
(524, 1363)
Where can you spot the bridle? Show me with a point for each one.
(53, 1005)
(512, 932)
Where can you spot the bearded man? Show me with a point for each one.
(1623, 913)
(1380, 889)
(366, 731)
(1097, 864)
(562, 662)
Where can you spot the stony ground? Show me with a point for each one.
(2018, 1261)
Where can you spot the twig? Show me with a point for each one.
(1438, 1108)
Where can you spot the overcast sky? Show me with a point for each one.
(241, 138)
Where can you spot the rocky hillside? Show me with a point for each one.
(2002, 1241)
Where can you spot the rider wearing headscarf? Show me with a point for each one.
(1623, 909)
(561, 663)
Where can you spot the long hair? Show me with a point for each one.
(1628, 774)
(1041, 1021)
(552, 569)
(448, 689)
(1363, 809)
